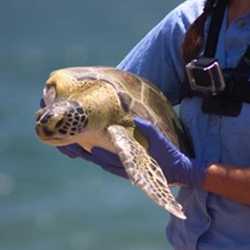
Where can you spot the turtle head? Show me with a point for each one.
(60, 122)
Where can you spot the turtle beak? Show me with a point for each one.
(46, 123)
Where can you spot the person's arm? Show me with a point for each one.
(232, 182)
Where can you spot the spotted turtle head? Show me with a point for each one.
(59, 122)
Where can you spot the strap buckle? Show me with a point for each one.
(205, 76)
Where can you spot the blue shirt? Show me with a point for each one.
(214, 222)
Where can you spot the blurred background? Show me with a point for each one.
(48, 201)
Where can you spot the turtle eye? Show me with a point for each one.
(49, 94)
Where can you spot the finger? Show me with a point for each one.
(73, 151)
(147, 128)
(156, 138)
(67, 152)
(106, 156)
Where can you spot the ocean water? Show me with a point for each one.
(48, 201)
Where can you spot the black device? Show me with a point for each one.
(206, 76)
(223, 90)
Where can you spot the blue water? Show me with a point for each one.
(48, 201)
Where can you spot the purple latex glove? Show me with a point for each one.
(107, 160)
(177, 167)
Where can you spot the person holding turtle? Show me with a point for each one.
(198, 55)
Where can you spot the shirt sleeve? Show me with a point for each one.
(157, 57)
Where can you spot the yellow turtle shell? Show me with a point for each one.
(137, 95)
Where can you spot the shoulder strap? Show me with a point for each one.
(216, 8)
(219, 7)
(238, 85)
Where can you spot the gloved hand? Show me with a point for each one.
(105, 159)
(177, 167)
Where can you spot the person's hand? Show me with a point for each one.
(107, 160)
(177, 167)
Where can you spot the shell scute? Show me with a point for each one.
(137, 96)
(131, 83)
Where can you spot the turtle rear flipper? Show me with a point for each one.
(143, 170)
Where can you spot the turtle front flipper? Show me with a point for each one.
(143, 170)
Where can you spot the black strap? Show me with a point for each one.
(229, 102)
(220, 105)
(237, 79)
(219, 7)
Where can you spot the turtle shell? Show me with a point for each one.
(139, 97)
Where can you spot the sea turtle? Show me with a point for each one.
(94, 106)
